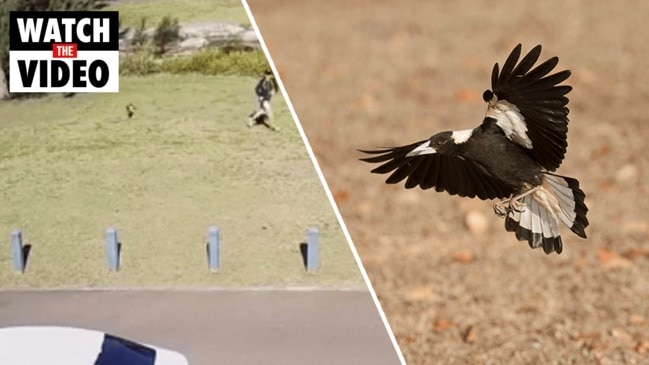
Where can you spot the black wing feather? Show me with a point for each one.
(541, 101)
(449, 173)
(528, 61)
(510, 63)
(419, 174)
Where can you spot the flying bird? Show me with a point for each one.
(511, 156)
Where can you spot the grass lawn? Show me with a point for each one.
(70, 168)
(186, 11)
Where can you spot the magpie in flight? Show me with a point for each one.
(510, 156)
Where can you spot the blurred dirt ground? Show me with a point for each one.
(455, 286)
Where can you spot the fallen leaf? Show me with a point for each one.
(621, 335)
(591, 336)
(587, 339)
(642, 347)
(341, 196)
(591, 341)
(409, 339)
(606, 185)
(443, 324)
(637, 320)
(468, 335)
(610, 260)
(422, 293)
(605, 255)
(464, 257)
(636, 253)
(601, 151)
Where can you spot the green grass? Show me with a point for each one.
(70, 168)
(186, 11)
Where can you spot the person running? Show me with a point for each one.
(265, 89)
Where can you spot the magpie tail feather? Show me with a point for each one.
(573, 207)
(559, 198)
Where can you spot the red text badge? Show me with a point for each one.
(64, 50)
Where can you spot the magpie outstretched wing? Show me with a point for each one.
(530, 106)
(444, 172)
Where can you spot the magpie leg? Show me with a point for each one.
(516, 204)
(501, 209)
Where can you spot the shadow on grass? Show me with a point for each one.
(304, 251)
(119, 255)
(27, 248)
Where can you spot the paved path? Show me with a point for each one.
(221, 326)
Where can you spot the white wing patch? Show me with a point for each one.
(461, 136)
(422, 149)
(510, 120)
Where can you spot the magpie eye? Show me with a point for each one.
(487, 95)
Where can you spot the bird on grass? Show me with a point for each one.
(130, 110)
(511, 156)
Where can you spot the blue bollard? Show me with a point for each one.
(17, 251)
(112, 249)
(313, 249)
(213, 238)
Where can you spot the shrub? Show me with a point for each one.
(214, 62)
(166, 33)
(139, 63)
(207, 62)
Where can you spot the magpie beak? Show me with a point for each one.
(510, 156)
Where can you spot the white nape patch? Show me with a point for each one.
(461, 136)
(509, 118)
(422, 149)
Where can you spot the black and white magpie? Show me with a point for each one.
(510, 156)
(130, 110)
